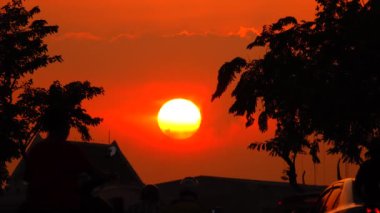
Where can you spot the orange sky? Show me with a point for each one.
(146, 52)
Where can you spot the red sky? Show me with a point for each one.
(146, 52)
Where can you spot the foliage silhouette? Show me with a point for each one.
(318, 79)
(22, 52)
(59, 108)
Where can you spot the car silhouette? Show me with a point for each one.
(341, 197)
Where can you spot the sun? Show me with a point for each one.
(179, 118)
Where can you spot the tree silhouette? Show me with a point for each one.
(318, 79)
(22, 52)
(59, 108)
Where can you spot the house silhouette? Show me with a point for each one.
(120, 191)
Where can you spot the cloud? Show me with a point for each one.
(186, 33)
(92, 37)
(80, 36)
(123, 36)
(244, 32)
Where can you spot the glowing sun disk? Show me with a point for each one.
(179, 118)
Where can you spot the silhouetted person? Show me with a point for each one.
(55, 169)
(149, 201)
(188, 198)
(367, 181)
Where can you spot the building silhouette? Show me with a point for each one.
(120, 191)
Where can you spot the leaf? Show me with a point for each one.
(227, 74)
(250, 121)
(263, 121)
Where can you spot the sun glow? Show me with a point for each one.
(179, 118)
